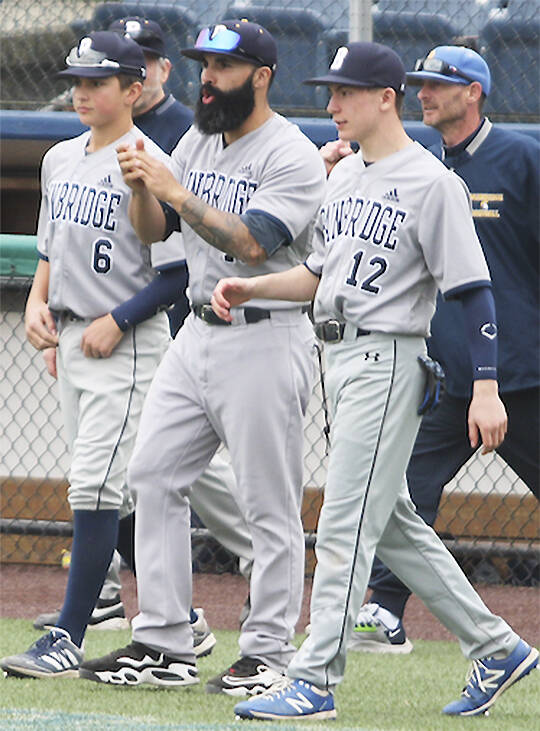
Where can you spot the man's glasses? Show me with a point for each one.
(439, 66)
(219, 38)
(90, 58)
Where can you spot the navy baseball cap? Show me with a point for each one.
(147, 33)
(452, 65)
(237, 38)
(104, 53)
(366, 65)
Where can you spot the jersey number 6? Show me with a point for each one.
(102, 261)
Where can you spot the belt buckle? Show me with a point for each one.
(331, 331)
(207, 314)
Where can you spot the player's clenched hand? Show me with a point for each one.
(141, 169)
(128, 159)
(101, 337)
(230, 292)
(40, 326)
(333, 152)
(49, 356)
(487, 416)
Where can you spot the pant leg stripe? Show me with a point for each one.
(126, 416)
(342, 638)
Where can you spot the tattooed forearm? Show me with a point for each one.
(223, 230)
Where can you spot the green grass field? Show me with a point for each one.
(379, 692)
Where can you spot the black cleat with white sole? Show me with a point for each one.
(137, 664)
(247, 676)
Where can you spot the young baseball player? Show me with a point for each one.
(500, 169)
(395, 226)
(246, 185)
(160, 292)
(91, 261)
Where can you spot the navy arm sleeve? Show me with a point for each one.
(481, 324)
(163, 290)
(267, 230)
(172, 220)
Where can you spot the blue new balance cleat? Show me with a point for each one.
(289, 699)
(52, 656)
(488, 678)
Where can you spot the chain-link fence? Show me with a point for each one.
(488, 517)
(36, 35)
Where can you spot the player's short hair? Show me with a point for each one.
(125, 80)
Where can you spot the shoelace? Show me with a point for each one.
(365, 616)
(475, 677)
(278, 688)
(47, 640)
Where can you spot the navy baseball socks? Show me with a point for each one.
(58, 653)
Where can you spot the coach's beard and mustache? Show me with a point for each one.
(227, 111)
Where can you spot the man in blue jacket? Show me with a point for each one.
(500, 168)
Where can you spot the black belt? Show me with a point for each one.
(67, 315)
(251, 314)
(332, 331)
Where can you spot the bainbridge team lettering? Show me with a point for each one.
(223, 192)
(85, 205)
(362, 218)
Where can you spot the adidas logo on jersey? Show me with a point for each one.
(246, 169)
(392, 195)
(106, 182)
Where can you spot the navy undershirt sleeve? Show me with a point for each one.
(162, 291)
(481, 325)
(268, 231)
(172, 220)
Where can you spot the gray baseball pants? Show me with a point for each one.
(247, 386)
(374, 385)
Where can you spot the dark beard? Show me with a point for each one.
(228, 111)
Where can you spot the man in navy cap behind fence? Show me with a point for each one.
(395, 226)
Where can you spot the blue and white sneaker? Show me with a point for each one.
(289, 699)
(52, 656)
(488, 678)
(372, 634)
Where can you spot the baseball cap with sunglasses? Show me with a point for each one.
(238, 39)
(104, 53)
(452, 65)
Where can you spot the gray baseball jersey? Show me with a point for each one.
(274, 170)
(96, 259)
(388, 238)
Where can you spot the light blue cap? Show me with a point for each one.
(457, 65)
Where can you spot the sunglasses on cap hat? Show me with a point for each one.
(220, 39)
(438, 66)
(85, 57)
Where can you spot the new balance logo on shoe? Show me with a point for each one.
(289, 699)
(300, 703)
(391, 195)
